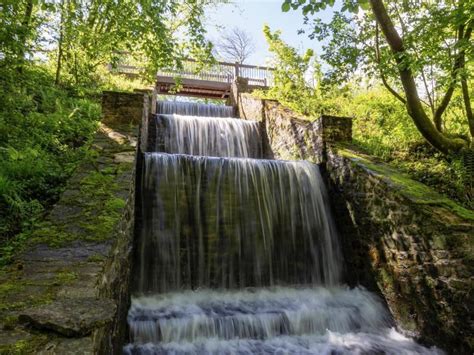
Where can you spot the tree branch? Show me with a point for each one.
(413, 103)
(458, 64)
(382, 76)
(430, 99)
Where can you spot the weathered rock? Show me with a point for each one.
(69, 346)
(74, 317)
(125, 157)
(122, 107)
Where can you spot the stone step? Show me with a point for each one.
(261, 314)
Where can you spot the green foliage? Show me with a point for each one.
(382, 128)
(428, 28)
(47, 112)
(381, 125)
(43, 134)
(420, 50)
(92, 34)
(87, 35)
(296, 77)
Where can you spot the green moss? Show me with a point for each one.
(32, 345)
(17, 291)
(99, 210)
(96, 258)
(416, 191)
(115, 204)
(9, 322)
(385, 280)
(15, 294)
(20, 347)
(65, 277)
(52, 234)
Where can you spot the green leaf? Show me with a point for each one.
(364, 4)
(307, 9)
(285, 7)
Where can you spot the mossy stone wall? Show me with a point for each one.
(408, 242)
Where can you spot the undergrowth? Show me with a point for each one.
(44, 134)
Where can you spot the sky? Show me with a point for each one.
(251, 15)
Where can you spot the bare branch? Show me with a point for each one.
(236, 46)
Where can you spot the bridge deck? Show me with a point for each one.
(210, 81)
(193, 87)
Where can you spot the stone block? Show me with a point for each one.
(123, 107)
(74, 317)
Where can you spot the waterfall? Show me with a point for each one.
(215, 222)
(240, 255)
(194, 109)
(266, 321)
(225, 137)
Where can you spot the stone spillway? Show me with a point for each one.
(237, 254)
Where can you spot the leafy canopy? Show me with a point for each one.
(420, 50)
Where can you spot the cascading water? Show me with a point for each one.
(194, 109)
(240, 256)
(208, 136)
(266, 321)
(215, 222)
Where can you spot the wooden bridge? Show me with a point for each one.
(209, 81)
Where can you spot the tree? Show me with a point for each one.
(290, 77)
(422, 43)
(18, 22)
(236, 46)
(87, 34)
(92, 33)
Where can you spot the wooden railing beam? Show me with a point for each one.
(216, 71)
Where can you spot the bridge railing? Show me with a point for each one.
(216, 72)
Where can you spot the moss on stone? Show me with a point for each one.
(96, 258)
(100, 210)
(31, 345)
(15, 295)
(414, 190)
(52, 234)
(65, 277)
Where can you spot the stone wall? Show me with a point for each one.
(115, 280)
(413, 245)
(290, 135)
(399, 238)
(122, 107)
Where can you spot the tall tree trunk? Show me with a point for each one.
(413, 102)
(60, 44)
(468, 107)
(25, 28)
